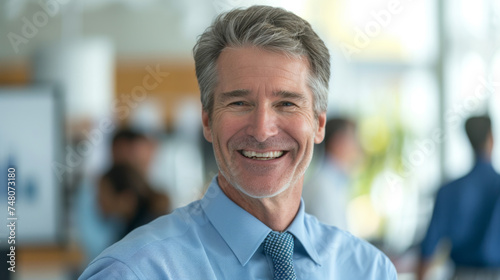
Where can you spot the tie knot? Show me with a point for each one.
(278, 243)
(279, 246)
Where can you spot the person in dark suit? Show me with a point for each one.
(463, 212)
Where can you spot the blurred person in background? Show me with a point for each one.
(263, 75)
(97, 230)
(125, 195)
(327, 194)
(134, 148)
(463, 213)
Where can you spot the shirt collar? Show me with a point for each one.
(242, 232)
(298, 229)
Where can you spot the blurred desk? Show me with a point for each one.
(48, 263)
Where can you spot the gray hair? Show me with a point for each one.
(269, 28)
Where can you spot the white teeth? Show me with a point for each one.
(262, 156)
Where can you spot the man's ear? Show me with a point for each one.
(207, 131)
(320, 132)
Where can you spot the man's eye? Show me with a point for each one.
(237, 103)
(287, 104)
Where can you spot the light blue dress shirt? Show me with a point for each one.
(214, 238)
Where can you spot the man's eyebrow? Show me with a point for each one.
(290, 95)
(245, 92)
(233, 94)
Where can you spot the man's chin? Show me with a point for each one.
(256, 188)
(261, 191)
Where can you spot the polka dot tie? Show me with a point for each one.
(279, 246)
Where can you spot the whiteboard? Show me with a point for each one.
(31, 141)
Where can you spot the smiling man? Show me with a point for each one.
(263, 75)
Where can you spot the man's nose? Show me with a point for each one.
(262, 124)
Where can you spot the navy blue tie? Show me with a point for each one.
(279, 246)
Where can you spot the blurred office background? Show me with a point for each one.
(72, 72)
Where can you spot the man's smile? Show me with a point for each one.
(262, 155)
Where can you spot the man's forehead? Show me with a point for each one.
(246, 68)
(248, 58)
